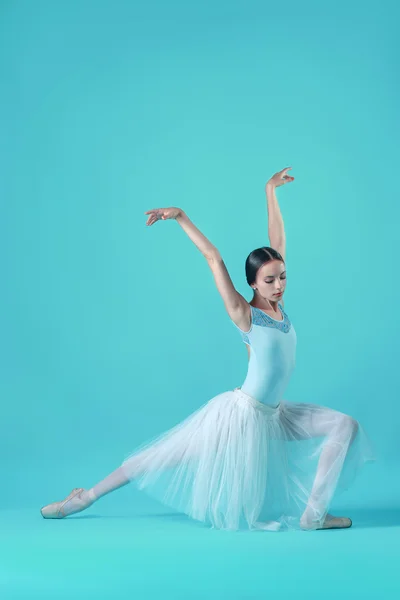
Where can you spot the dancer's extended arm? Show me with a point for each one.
(276, 229)
(235, 304)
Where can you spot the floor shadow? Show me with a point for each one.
(361, 517)
(173, 516)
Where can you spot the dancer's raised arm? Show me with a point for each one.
(235, 304)
(276, 230)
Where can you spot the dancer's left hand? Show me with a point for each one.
(280, 178)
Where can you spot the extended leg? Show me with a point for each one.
(80, 499)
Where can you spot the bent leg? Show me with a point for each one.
(339, 430)
(339, 438)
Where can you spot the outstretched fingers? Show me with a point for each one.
(287, 178)
(155, 215)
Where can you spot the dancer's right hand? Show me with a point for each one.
(161, 214)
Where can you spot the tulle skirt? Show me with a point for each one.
(236, 462)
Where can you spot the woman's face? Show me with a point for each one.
(270, 280)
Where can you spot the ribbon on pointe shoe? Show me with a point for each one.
(55, 509)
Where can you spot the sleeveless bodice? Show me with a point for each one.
(272, 356)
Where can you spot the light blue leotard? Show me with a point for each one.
(272, 356)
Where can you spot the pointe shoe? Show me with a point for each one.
(330, 522)
(76, 501)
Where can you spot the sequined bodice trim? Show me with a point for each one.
(259, 317)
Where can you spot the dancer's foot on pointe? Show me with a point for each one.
(75, 502)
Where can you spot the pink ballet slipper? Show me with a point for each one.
(76, 501)
(330, 522)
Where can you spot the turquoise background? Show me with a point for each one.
(113, 332)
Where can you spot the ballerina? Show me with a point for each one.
(247, 456)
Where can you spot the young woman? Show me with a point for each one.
(247, 457)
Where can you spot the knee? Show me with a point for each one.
(349, 427)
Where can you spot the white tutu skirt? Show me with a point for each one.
(236, 462)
